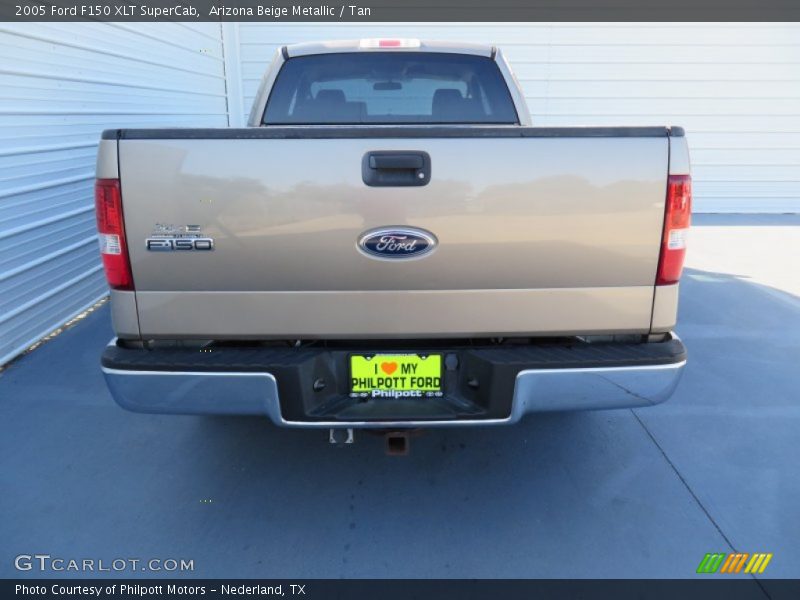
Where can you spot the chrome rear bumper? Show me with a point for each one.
(256, 393)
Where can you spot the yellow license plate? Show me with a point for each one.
(395, 375)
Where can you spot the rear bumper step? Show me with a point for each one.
(483, 385)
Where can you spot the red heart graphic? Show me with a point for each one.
(389, 367)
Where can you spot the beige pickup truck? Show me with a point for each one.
(392, 244)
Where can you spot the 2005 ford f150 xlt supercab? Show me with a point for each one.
(391, 244)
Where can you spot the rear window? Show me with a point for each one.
(389, 87)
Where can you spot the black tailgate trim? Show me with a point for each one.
(381, 131)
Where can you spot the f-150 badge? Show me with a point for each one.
(167, 237)
(397, 243)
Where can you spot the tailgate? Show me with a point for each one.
(547, 234)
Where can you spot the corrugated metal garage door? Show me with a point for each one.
(61, 85)
(735, 87)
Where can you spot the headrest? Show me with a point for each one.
(446, 100)
(330, 96)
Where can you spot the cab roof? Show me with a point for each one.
(387, 44)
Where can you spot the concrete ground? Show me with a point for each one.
(642, 493)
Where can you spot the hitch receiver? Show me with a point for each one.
(397, 443)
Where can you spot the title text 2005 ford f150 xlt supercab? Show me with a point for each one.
(390, 244)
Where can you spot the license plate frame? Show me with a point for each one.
(406, 389)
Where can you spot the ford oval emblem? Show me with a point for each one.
(397, 243)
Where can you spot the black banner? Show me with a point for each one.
(399, 10)
(714, 587)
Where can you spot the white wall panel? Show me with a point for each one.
(735, 87)
(60, 86)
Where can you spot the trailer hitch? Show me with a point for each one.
(397, 442)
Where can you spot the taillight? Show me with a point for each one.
(111, 232)
(677, 217)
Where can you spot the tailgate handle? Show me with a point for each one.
(385, 168)
(396, 161)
